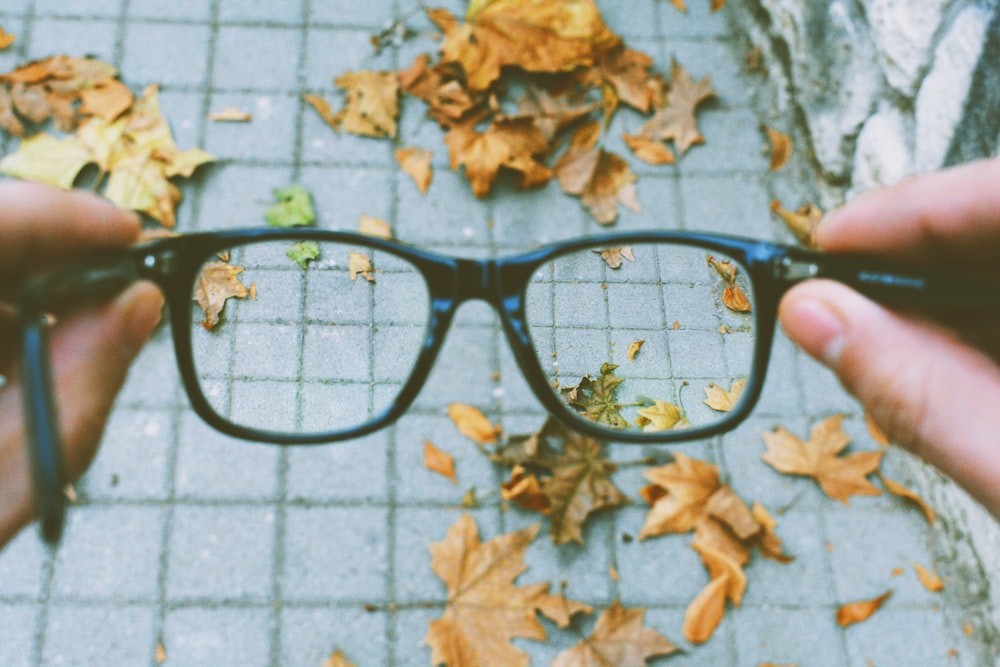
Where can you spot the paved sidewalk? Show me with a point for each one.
(237, 554)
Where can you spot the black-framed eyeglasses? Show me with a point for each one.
(312, 336)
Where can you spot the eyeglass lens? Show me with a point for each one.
(321, 337)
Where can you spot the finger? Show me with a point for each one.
(928, 391)
(90, 356)
(41, 225)
(951, 215)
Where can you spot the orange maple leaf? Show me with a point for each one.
(217, 282)
(512, 144)
(619, 639)
(689, 484)
(485, 609)
(839, 476)
(535, 35)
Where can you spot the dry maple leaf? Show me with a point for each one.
(337, 659)
(897, 489)
(534, 35)
(442, 87)
(613, 256)
(855, 612)
(661, 416)
(721, 400)
(839, 476)
(376, 227)
(524, 489)
(553, 114)
(416, 162)
(677, 119)
(601, 179)
(781, 147)
(473, 424)
(689, 483)
(439, 461)
(579, 486)
(372, 105)
(597, 399)
(803, 222)
(217, 282)
(359, 264)
(485, 609)
(514, 144)
(705, 611)
(649, 150)
(619, 639)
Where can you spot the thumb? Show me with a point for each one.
(928, 391)
(90, 356)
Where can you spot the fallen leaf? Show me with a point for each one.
(930, 580)
(553, 114)
(524, 489)
(442, 87)
(876, 433)
(620, 639)
(337, 659)
(6, 39)
(597, 399)
(301, 253)
(897, 489)
(633, 349)
(485, 609)
(677, 120)
(473, 424)
(45, 159)
(624, 76)
(839, 476)
(416, 162)
(855, 612)
(514, 144)
(689, 484)
(613, 256)
(781, 148)
(217, 282)
(293, 208)
(161, 653)
(561, 35)
(372, 106)
(377, 227)
(649, 150)
(601, 179)
(661, 416)
(231, 115)
(802, 223)
(726, 269)
(734, 299)
(721, 400)
(439, 461)
(107, 100)
(359, 264)
(705, 611)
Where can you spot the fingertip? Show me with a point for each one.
(812, 324)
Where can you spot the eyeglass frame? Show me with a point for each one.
(174, 264)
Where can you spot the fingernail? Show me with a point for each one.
(815, 327)
(142, 306)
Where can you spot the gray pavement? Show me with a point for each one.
(230, 553)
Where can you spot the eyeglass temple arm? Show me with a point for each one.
(93, 283)
(890, 284)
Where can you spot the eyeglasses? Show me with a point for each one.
(310, 336)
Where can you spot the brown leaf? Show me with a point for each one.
(677, 119)
(633, 349)
(855, 612)
(876, 433)
(897, 489)
(618, 639)
(803, 222)
(649, 150)
(768, 543)
(839, 476)
(359, 264)
(561, 35)
(727, 507)
(597, 400)
(514, 144)
(781, 148)
(376, 227)
(599, 178)
(579, 486)
(439, 461)
(689, 484)
(416, 162)
(524, 489)
(613, 256)
(625, 74)
(372, 103)
(442, 87)
(726, 269)
(721, 400)
(485, 609)
(734, 299)
(930, 580)
(107, 100)
(553, 114)
(473, 424)
(721, 566)
(323, 108)
(218, 282)
(705, 611)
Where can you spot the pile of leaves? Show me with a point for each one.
(128, 140)
(574, 74)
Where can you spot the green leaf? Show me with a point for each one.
(49, 160)
(303, 252)
(294, 208)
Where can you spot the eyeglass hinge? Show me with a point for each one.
(161, 264)
(794, 271)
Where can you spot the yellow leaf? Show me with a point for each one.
(781, 148)
(897, 489)
(803, 222)
(231, 115)
(662, 416)
(721, 400)
(217, 282)
(6, 39)
(930, 580)
(689, 484)
(416, 162)
(705, 611)
(138, 182)
(372, 103)
(375, 227)
(45, 159)
(337, 659)
(360, 265)
(734, 299)
(633, 349)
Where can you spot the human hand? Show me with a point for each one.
(932, 386)
(90, 351)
